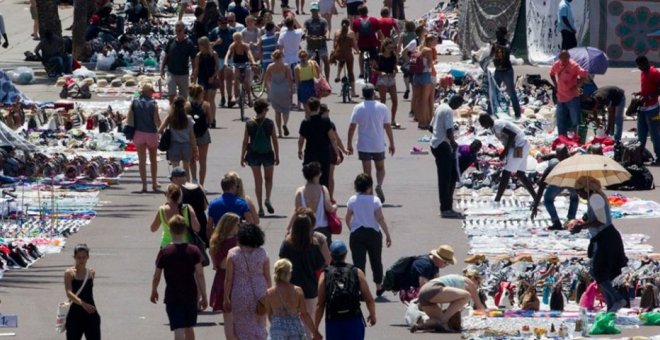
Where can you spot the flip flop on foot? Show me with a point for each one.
(269, 207)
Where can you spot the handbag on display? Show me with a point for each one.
(64, 307)
(165, 140)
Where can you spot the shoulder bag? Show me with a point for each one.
(165, 140)
(195, 239)
(129, 128)
(64, 307)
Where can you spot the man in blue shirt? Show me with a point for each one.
(566, 25)
(229, 201)
(221, 38)
(240, 11)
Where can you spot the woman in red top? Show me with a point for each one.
(223, 239)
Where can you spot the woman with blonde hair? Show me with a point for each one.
(285, 305)
(241, 55)
(223, 239)
(200, 111)
(424, 84)
(304, 73)
(279, 86)
(183, 144)
(240, 192)
(171, 208)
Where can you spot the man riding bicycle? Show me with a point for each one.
(367, 31)
(316, 29)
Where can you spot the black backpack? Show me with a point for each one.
(640, 179)
(197, 112)
(342, 291)
(397, 276)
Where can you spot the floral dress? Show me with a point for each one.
(248, 287)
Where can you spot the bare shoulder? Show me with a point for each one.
(299, 291)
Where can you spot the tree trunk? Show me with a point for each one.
(80, 20)
(49, 18)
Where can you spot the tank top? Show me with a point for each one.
(321, 219)
(386, 64)
(143, 114)
(86, 294)
(241, 58)
(167, 236)
(306, 72)
(206, 66)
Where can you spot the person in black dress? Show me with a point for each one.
(317, 136)
(83, 318)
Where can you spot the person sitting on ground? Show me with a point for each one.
(51, 52)
(433, 295)
(552, 191)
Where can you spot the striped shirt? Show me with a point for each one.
(268, 46)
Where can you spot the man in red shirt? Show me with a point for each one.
(648, 118)
(387, 24)
(368, 34)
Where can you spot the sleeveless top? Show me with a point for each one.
(143, 114)
(386, 64)
(167, 236)
(86, 294)
(206, 66)
(241, 58)
(307, 72)
(321, 219)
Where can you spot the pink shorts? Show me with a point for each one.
(145, 138)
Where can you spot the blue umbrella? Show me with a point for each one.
(591, 59)
(655, 34)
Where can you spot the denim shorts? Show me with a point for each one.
(181, 316)
(422, 78)
(260, 159)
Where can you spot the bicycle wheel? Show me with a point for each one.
(257, 87)
(241, 102)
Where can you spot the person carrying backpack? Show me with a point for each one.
(368, 35)
(260, 149)
(341, 287)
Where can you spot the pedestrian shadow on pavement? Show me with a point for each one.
(382, 299)
(273, 217)
(200, 324)
(392, 206)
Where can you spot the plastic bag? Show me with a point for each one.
(650, 318)
(414, 314)
(605, 323)
(83, 73)
(22, 75)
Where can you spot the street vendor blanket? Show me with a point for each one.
(621, 29)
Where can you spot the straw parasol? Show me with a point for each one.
(604, 169)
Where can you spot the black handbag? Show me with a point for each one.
(635, 103)
(165, 140)
(129, 132)
(195, 240)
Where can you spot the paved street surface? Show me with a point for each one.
(123, 249)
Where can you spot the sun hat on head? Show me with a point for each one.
(444, 252)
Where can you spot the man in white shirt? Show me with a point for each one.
(516, 150)
(289, 42)
(443, 147)
(372, 119)
(231, 20)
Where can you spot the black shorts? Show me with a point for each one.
(181, 316)
(352, 8)
(373, 52)
(260, 159)
(371, 156)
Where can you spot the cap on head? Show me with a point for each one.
(338, 248)
(177, 172)
(314, 6)
(445, 252)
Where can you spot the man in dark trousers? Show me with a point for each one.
(501, 53)
(443, 147)
(614, 99)
(566, 25)
(185, 290)
(552, 191)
